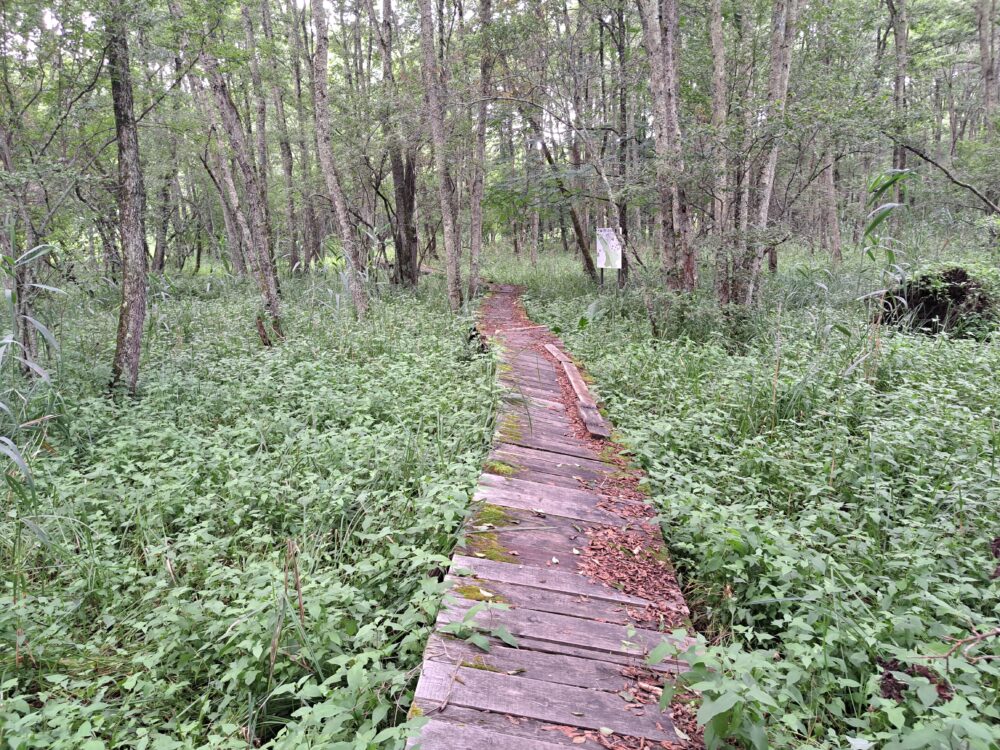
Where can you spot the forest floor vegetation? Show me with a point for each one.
(246, 552)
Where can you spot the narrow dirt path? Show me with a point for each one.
(561, 573)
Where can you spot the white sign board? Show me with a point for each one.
(609, 249)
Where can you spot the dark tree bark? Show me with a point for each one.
(402, 160)
(131, 206)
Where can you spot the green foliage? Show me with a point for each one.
(247, 553)
(828, 489)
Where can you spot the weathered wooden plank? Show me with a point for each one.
(525, 597)
(593, 421)
(515, 729)
(552, 408)
(595, 465)
(607, 637)
(513, 396)
(538, 548)
(533, 411)
(507, 498)
(558, 353)
(534, 489)
(541, 426)
(555, 668)
(562, 448)
(579, 386)
(504, 464)
(445, 685)
(530, 410)
(668, 666)
(543, 578)
(544, 372)
(531, 540)
(534, 394)
(439, 734)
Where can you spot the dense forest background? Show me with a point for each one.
(253, 138)
(243, 413)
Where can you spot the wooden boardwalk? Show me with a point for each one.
(541, 566)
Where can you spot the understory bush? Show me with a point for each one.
(829, 492)
(249, 553)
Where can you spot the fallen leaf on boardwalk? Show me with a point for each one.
(630, 560)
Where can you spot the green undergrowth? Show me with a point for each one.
(247, 554)
(829, 493)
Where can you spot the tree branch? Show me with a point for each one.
(949, 174)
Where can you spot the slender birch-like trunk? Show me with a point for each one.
(986, 11)
(331, 175)
(782, 36)
(479, 155)
(284, 143)
(436, 106)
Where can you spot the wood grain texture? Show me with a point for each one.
(444, 685)
(460, 736)
(557, 353)
(540, 578)
(579, 386)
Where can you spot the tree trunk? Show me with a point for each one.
(782, 35)
(334, 186)
(659, 31)
(131, 206)
(312, 238)
(436, 105)
(831, 217)
(401, 158)
(900, 32)
(718, 117)
(162, 223)
(479, 155)
(284, 143)
(260, 108)
(260, 239)
(720, 182)
(985, 14)
(222, 178)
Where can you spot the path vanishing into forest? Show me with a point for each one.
(561, 571)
